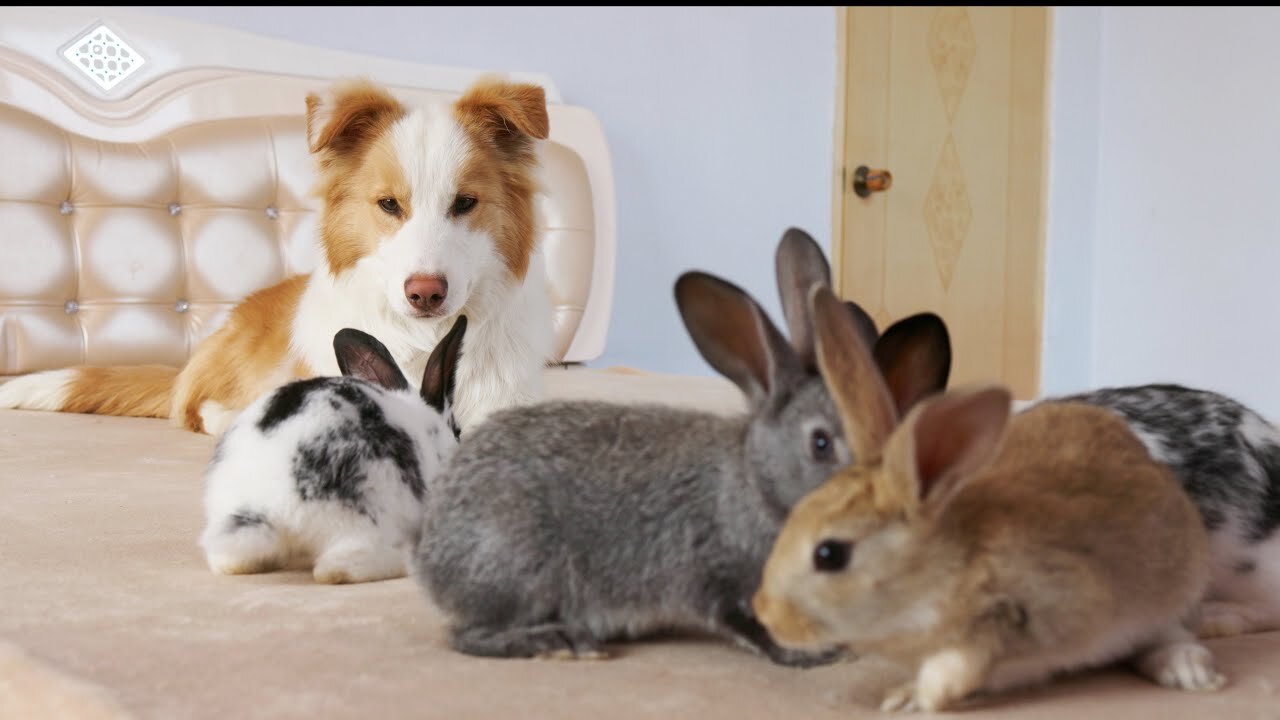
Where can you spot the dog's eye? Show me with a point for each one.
(462, 205)
(831, 555)
(821, 446)
(389, 206)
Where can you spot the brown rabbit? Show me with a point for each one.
(983, 551)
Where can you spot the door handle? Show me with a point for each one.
(867, 181)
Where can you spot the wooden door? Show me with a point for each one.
(952, 102)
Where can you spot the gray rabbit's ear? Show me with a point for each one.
(800, 265)
(439, 379)
(864, 322)
(734, 335)
(914, 356)
(361, 355)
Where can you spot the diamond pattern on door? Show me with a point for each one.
(952, 49)
(947, 212)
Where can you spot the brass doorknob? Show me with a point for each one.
(867, 181)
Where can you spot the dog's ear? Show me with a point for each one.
(509, 115)
(351, 114)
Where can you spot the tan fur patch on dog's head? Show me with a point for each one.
(503, 120)
(347, 132)
(355, 112)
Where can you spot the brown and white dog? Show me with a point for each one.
(427, 213)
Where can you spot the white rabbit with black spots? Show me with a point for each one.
(332, 472)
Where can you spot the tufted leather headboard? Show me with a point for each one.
(132, 218)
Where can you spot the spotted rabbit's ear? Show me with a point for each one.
(360, 355)
(440, 377)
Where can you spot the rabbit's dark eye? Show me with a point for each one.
(821, 446)
(389, 206)
(462, 205)
(831, 555)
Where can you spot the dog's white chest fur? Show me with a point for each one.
(507, 345)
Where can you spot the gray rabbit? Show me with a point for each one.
(561, 526)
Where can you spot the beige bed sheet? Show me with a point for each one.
(108, 611)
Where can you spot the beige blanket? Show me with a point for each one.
(107, 610)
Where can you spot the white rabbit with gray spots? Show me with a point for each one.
(331, 472)
(562, 526)
(1228, 460)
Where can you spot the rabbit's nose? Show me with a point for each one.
(782, 619)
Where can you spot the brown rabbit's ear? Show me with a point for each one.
(914, 355)
(734, 335)
(800, 264)
(851, 375)
(946, 440)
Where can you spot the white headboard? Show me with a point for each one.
(184, 142)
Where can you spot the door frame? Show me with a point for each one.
(838, 181)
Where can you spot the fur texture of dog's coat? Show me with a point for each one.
(427, 213)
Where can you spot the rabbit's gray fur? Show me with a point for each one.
(560, 526)
(569, 523)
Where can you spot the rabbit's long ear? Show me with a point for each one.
(439, 379)
(865, 323)
(734, 335)
(867, 411)
(914, 355)
(800, 265)
(944, 441)
(361, 355)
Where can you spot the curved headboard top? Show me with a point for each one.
(142, 199)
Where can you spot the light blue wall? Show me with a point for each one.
(1188, 234)
(720, 122)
